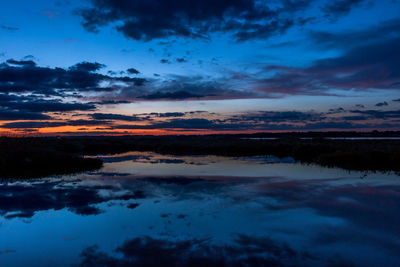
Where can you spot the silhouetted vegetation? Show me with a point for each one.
(41, 156)
(38, 157)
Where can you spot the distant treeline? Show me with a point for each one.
(42, 156)
(328, 134)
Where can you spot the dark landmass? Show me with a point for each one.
(43, 156)
(338, 134)
(39, 157)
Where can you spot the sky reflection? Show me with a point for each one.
(214, 214)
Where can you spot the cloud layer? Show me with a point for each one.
(243, 19)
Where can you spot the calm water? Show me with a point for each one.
(143, 208)
(329, 138)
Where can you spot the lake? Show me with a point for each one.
(144, 208)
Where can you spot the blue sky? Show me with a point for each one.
(231, 58)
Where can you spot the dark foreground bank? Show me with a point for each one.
(39, 157)
(43, 156)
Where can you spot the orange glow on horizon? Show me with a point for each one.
(99, 130)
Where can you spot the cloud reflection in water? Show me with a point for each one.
(203, 219)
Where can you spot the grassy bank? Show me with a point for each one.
(35, 157)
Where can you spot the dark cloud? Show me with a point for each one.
(49, 106)
(336, 8)
(133, 71)
(352, 70)
(87, 66)
(31, 124)
(110, 102)
(104, 116)
(14, 107)
(175, 114)
(354, 203)
(368, 211)
(180, 60)
(171, 114)
(21, 62)
(347, 39)
(170, 95)
(336, 110)
(31, 107)
(178, 87)
(30, 57)
(378, 114)
(198, 120)
(382, 104)
(27, 90)
(45, 124)
(177, 124)
(279, 116)
(271, 120)
(7, 114)
(365, 221)
(245, 251)
(124, 158)
(87, 122)
(206, 124)
(25, 76)
(243, 19)
(24, 201)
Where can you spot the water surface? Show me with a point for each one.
(328, 138)
(143, 208)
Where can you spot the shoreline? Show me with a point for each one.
(35, 157)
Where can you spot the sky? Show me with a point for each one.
(99, 67)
